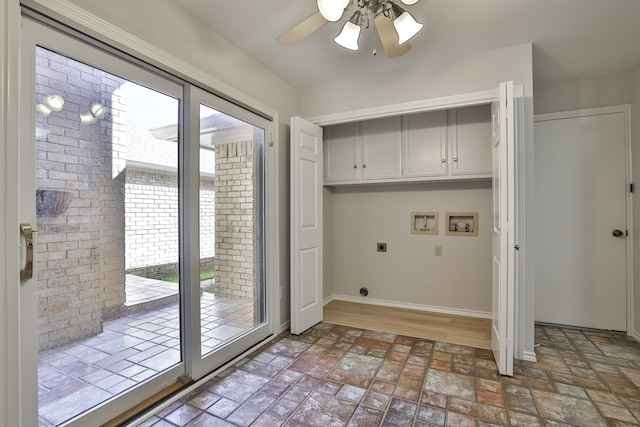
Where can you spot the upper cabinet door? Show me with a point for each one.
(341, 153)
(381, 148)
(470, 140)
(424, 144)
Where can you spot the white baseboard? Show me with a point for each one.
(409, 306)
(636, 336)
(529, 356)
(285, 326)
(328, 299)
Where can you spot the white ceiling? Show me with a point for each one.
(571, 38)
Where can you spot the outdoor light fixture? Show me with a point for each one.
(87, 118)
(49, 104)
(98, 110)
(95, 113)
(384, 13)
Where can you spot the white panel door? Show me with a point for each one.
(306, 225)
(381, 141)
(502, 119)
(581, 269)
(424, 144)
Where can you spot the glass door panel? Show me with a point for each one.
(107, 243)
(232, 286)
(133, 288)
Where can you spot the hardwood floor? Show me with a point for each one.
(468, 331)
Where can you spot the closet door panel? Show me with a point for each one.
(470, 140)
(341, 153)
(381, 148)
(424, 144)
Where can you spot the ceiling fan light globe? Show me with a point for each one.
(331, 10)
(406, 27)
(409, 2)
(348, 37)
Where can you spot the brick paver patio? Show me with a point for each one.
(77, 376)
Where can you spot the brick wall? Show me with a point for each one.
(120, 213)
(80, 263)
(152, 223)
(234, 220)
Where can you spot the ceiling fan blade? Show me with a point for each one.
(303, 29)
(389, 37)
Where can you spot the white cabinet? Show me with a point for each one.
(380, 147)
(424, 144)
(434, 145)
(341, 153)
(470, 140)
(369, 150)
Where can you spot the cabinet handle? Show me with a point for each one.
(364, 166)
(455, 159)
(355, 166)
(444, 160)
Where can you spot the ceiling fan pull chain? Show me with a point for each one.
(375, 31)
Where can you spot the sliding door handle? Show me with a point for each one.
(26, 232)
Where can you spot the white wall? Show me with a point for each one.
(329, 242)
(584, 93)
(409, 272)
(483, 71)
(635, 158)
(166, 26)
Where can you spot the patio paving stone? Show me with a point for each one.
(77, 376)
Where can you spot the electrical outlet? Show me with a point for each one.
(382, 247)
(437, 250)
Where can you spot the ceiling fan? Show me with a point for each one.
(394, 25)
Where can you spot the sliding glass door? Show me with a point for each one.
(232, 295)
(144, 199)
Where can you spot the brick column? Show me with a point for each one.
(234, 219)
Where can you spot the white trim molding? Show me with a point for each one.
(529, 356)
(409, 306)
(444, 103)
(285, 327)
(10, 360)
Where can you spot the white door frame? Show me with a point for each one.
(12, 406)
(626, 110)
(458, 101)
